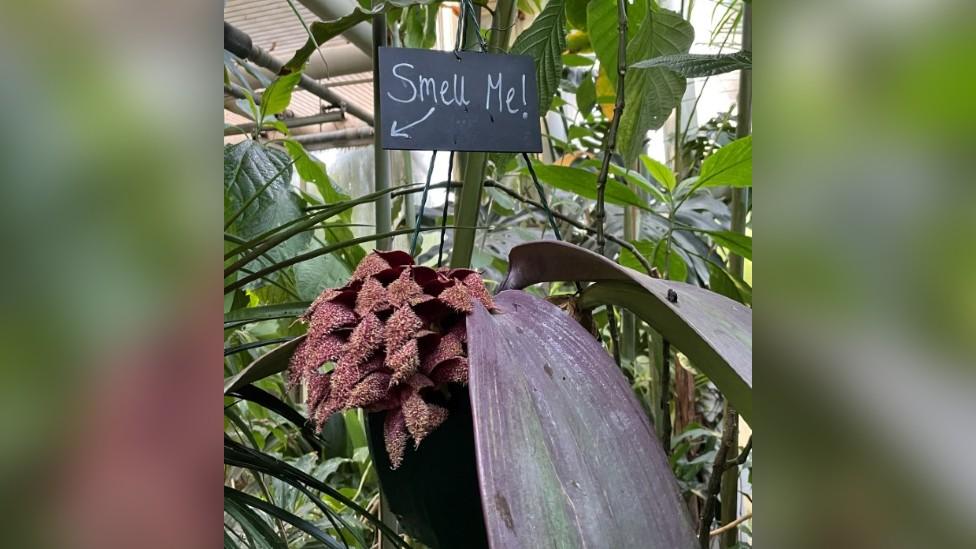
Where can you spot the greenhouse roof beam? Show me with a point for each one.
(323, 118)
(239, 43)
(348, 137)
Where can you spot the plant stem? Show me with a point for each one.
(610, 140)
(715, 480)
(731, 525)
(740, 196)
(666, 395)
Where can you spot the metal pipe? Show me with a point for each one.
(239, 43)
(327, 10)
(381, 158)
(347, 134)
(334, 61)
(323, 118)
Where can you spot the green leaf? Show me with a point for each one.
(259, 533)
(631, 176)
(601, 26)
(736, 243)
(583, 183)
(277, 95)
(323, 31)
(586, 95)
(721, 281)
(270, 312)
(317, 274)
(656, 254)
(241, 456)
(731, 165)
(248, 500)
(266, 365)
(604, 33)
(312, 169)
(660, 172)
(545, 41)
(576, 60)
(651, 94)
(420, 28)
(692, 65)
(576, 13)
(669, 263)
(258, 191)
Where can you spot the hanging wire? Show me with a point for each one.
(477, 24)
(542, 197)
(423, 203)
(447, 196)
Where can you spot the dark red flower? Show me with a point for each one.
(396, 336)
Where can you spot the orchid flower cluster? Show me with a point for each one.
(389, 340)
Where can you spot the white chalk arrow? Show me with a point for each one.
(398, 132)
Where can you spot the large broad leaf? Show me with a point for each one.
(651, 94)
(566, 456)
(420, 27)
(603, 30)
(258, 196)
(712, 330)
(434, 492)
(545, 41)
(731, 165)
(583, 183)
(691, 65)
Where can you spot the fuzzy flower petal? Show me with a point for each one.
(364, 340)
(456, 297)
(329, 316)
(404, 362)
(404, 288)
(371, 265)
(371, 389)
(448, 347)
(402, 325)
(395, 436)
(345, 377)
(454, 370)
(372, 298)
(422, 417)
(476, 289)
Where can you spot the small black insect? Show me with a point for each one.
(672, 296)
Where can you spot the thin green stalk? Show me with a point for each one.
(469, 199)
(610, 140)
(316, 253)
(423, 204)
(447, 202)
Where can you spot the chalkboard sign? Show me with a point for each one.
(463, 101)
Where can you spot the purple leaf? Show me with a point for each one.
(566, 457)
(713, 331)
